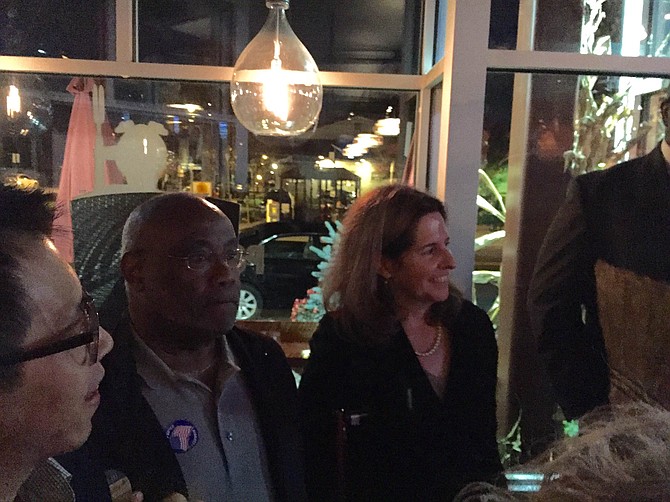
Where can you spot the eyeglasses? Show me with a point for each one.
(89, 338)
(205, 259)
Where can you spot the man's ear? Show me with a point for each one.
(665, 112)
(132, 269)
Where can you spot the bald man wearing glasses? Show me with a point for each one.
(50, 351)
(191, 404)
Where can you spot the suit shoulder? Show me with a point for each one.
(620, 175)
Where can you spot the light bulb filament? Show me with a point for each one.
(13, 101)
(276, 96)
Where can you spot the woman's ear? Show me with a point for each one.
(385, 268)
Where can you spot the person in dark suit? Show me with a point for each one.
(620, 216)
(193, 407)
(398, 395)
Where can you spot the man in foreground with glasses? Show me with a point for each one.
(192, 404)
(50, 351)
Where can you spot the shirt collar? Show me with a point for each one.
(154, 371)
(49, 482)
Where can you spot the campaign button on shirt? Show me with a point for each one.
(182, 435)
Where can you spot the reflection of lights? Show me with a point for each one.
(325, 163)
(272, 172)
(274, 165)
(189, 107)
(364, 169)
(259, 177)
(264, 157)
(387, 127)
(13, 102)
(667, 17)
(354, 150)
(642, 33)
(368, 140)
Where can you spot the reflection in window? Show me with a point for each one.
(75, 29)
(172, 135)
(619, 27)
(366, 36)
(80, 136)
(576, 124)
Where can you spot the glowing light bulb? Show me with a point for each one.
(13, 102)
(275, 89)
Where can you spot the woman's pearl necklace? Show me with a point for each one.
(436, 343)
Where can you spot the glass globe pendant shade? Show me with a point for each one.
(275, 89)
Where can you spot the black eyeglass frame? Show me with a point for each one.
(239, 256)
(90, 337)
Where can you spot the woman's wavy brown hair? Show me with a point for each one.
(381, 223)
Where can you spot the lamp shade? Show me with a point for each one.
(275, 89)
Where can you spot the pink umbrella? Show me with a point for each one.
(77, 174)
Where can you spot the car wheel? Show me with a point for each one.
(251, 303)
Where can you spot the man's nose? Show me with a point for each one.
(222, 269)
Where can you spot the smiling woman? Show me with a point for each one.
(387, 394)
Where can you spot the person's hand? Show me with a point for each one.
(129, 497)
(175, 497)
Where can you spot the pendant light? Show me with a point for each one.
(275, 89)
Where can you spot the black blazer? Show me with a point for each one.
(622, 216)
(403, 442)
(127, 435)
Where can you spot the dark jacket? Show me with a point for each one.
(127, 435)
(403, 442)
(622, 216)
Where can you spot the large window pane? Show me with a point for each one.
(367, 36)
(76, 29)
(620, 27)
(201, 132)
(172, 136)
(562, 125)
(503, 24)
